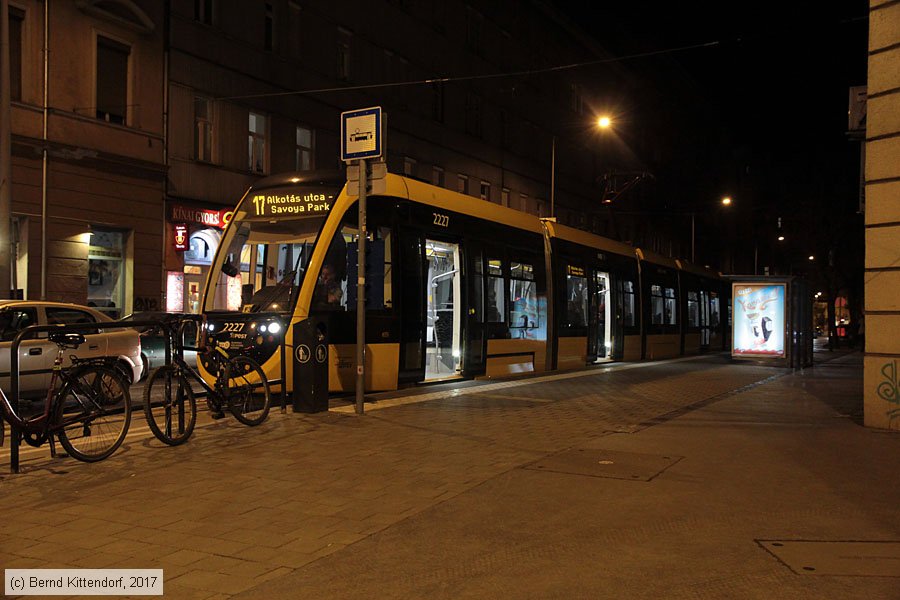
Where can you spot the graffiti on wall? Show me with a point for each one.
(889, 389)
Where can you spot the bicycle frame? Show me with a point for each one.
(41, 426)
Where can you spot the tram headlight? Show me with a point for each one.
(274, 327)
(210, 327)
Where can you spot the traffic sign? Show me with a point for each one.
(361, 133)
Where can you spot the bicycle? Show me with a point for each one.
(89, 412)
(170, 406)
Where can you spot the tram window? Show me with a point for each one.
(656, 304)
(524, 314)
(628, 304)
(713, 309)
(576, 301)
(671, 307)
(496, 309)
(336, 284)
(693, 310)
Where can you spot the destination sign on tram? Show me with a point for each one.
(274, 204)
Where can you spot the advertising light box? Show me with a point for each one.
(759, 316)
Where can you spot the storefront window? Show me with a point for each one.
(106, 281)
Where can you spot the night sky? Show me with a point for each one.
(761, 115)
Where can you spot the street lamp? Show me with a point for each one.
(603, 122)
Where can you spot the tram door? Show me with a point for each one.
(443, 309)
(600, 339)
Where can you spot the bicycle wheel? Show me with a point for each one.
(248, 391)
(170, 406)
(93, 413)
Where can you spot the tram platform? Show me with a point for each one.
(690, 478)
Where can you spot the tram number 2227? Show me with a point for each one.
(441, 220)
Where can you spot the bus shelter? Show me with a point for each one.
(772, 321)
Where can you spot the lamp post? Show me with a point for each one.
(726, 201)
(603, 122)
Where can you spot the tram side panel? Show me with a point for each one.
(660, 300)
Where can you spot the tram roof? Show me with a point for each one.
(442, 198)
(570, 234)
(657, 259)
(690, 267)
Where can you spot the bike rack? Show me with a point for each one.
(30, 332)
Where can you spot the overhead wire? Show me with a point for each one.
(460, 78)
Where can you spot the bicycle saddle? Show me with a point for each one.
(67, 339)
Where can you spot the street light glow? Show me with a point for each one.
(726, 200)
(811, 257)
(780, 238)
(604, 122)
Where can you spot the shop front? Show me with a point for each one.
(193, 233)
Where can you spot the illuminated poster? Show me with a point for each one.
(759, 320)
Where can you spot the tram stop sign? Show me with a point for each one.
(361, 134)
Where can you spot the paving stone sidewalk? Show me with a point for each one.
(259, 510)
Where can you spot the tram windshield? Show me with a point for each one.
(266, 250)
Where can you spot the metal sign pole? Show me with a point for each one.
(361, 292)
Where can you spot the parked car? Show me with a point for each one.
(153, 339)
(36, 355)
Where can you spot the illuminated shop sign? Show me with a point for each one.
(201, 216)
(181, 237)
(276, 204)
(759, 320)
(574, 271)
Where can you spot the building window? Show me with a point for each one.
(112, 80)
(473, 115)
(474, 29)
(269, 26)
(485, 191)
(16, 19)
(304, 152)
(203, 11)
(462, 184)
(106, 271)
(203, 133)
(257, 143)
(523, 202)
(343, 55)
(437, 102)
(409, 167)
(294, 25)
(504, 197)
(437, 176)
